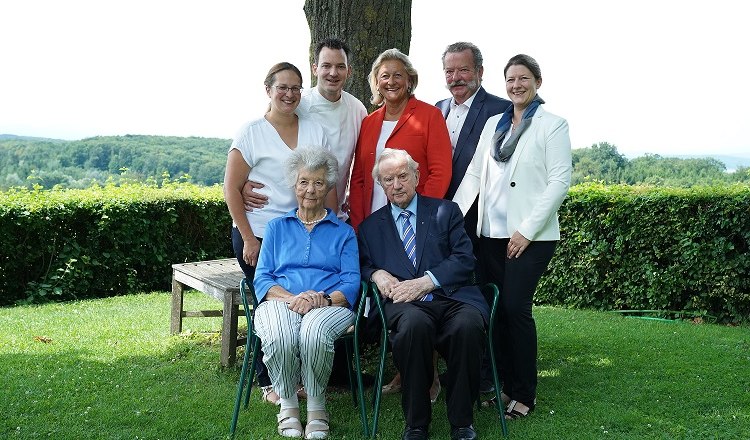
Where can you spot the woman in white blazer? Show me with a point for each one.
(521, 173)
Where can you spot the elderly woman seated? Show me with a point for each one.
(307, 281)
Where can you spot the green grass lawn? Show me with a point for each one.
(109, 369)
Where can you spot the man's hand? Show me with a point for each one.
(252, 199)
(385, 282)
(412, 290)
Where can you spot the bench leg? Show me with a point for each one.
(229, 331)
(175, 326)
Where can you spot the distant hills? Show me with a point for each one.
(30, 161)
(26, 161)
(731, 162)
(4, 137)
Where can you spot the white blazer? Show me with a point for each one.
(540, 170)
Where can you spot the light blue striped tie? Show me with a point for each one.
(410, 243)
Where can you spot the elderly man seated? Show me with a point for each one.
(417, 252)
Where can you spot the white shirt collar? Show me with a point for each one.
(467, 103)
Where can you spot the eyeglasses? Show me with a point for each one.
(281, 90)
(388, 181)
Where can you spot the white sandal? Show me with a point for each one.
(317, 425)
(267, 390)
(289, 424)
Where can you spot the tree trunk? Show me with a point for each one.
(368, 27)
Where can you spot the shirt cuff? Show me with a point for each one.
(432, 277)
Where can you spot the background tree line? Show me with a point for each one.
(602, 163)
(27, 162)
(48, 163)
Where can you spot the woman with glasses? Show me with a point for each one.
(521, 173)
(258, 153)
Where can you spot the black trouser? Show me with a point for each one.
(470, 225)
(249, 271)
(515, 337)
(456, 331)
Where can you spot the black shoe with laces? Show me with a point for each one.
(415, 434)
(463, 433)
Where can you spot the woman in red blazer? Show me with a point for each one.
(403, 123)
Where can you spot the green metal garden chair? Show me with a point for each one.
(492, 295)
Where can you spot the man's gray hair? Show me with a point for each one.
(392, 153)
(462, 46)
(311, 159)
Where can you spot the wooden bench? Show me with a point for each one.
(221, 280)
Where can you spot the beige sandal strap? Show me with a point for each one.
(317, 425)
(289, 422)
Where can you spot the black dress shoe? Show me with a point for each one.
(486, 383)
(415, 434)
(463, 433)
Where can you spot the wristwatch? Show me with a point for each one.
(328, 298)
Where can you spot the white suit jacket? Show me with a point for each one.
(540, 170)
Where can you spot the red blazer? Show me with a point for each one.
(422, 132)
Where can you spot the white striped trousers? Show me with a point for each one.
(299, 346)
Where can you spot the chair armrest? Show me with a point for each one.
(359, 306)
(251, 304)
(491, 294)
(378, 303)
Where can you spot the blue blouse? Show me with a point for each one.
(324, 259)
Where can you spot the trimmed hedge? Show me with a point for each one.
(625, 247)
(106, 241)
(622, 247)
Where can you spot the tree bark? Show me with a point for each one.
(368, 27)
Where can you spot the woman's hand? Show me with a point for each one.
(317, 298)
(517, 244)
(250, 250)
(306, 301)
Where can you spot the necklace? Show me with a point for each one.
(312, 222)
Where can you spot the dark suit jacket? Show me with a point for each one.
(482, 108)
(421, 132)
(443, 248)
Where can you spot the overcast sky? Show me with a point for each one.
(660, 76)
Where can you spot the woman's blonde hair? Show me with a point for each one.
(388, 55)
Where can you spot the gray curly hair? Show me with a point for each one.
(311, 158)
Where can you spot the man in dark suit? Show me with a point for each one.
(466, 112)
(469, 107)
(417, 252)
